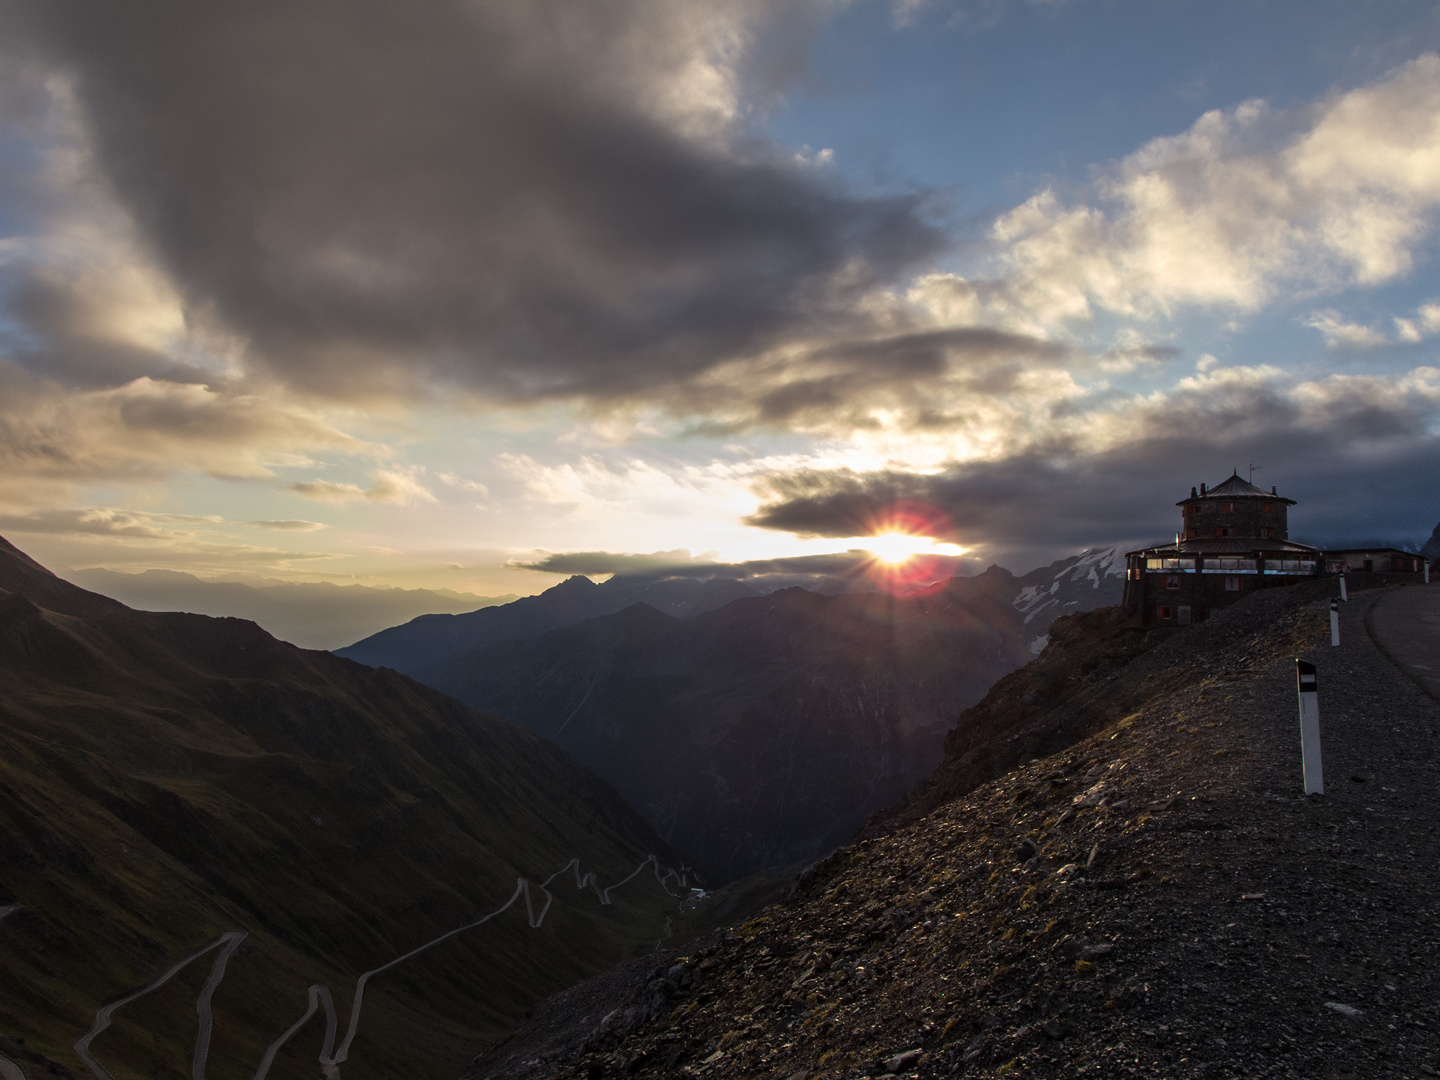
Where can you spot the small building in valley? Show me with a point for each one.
(1234, 539)
(1373, 561)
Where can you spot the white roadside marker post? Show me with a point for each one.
(1344, 592)
(1334, 622)
(1309, 727)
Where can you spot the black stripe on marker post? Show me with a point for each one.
(1305, 677)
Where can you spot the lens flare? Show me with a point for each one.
(906, 554)
(895, 548)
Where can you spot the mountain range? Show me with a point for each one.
(311, 614)
(171, 783)
(424, 640)
(761, 732)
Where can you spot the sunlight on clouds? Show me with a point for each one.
(1346, 335)
(398, 486)
(1424, 323)
(1225, 215)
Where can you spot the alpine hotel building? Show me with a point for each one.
(1234, 539)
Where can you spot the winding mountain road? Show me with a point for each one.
(202, 1006)
(319, 997)
(1405, 624)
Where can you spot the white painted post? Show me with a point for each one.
(1334, 622)
(1309, 727)
(1344, 592)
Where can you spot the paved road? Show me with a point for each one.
(1405, 623)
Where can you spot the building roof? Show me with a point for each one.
(1235, 488)
(1230, 545)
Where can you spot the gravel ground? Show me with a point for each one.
(1156, 899)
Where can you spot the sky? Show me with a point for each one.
(473, 295)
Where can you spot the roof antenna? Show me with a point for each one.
(1254, 469)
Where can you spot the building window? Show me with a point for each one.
(1234, 584)
(1267, 534)
(1225, 531)
(1267, 508)
(1164, 611)
(1170, 581)
(1227, 508)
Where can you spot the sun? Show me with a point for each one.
(898, 548)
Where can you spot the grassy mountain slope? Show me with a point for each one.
(166, 778)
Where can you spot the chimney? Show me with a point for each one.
(1202, 488)
(1272, 489)
(1192, 493)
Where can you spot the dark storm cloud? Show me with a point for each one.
(383, 197)
(1358, 455)
(982, 360)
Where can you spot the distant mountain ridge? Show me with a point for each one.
(428, 638)
(761, 733)
(1076, 583)
(167, 780)
(311, 614)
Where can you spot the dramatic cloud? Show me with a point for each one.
(51, 439)
(1243, 205)
(1349, 448)
(521, 200)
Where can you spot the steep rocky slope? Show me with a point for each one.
(166, 779)
(1154, 897)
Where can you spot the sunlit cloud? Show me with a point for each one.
(398, 486)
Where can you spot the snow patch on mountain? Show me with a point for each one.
(1094, 578)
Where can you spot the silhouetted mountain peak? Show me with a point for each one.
(575, 583)
(22, 575)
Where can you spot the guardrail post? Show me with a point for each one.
(1334, 622)
(1308, 688)
(1344, 592)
